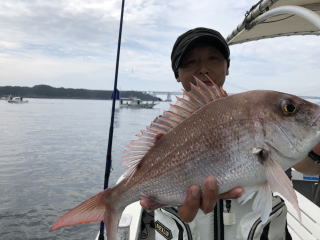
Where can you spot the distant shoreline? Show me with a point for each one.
(48, 92)
(68, 98)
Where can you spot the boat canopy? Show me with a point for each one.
(275, 18)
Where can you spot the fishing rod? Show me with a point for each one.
(115, 95)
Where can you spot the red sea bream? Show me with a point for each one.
(246, 139)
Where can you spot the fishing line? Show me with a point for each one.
(115, 95)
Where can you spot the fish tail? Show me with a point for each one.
(101, 207)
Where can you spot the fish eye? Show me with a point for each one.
(288, 108)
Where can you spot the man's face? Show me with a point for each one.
(200, 61)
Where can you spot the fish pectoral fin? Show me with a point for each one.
(277, 182)
(247, 194)
(262, 202)
(280, 183)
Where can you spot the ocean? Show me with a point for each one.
(52, 157)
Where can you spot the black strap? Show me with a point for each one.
(215, 223)
(180, 237)
(218, 221)
(289, 173)
(265, 232)
(288, 235)
(174, 212)
(315, 157)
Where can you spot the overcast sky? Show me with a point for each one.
(73, 43)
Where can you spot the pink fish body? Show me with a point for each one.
(246, 140)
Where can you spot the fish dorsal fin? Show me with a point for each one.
(199, 95)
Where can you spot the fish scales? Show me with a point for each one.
(214, 136)
(210, 156)
(185, 140)
(243, 140)
(208, 136)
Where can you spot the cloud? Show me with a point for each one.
(62, 25)
(73, 43)
(286, 64)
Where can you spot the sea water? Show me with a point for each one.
(52, 157)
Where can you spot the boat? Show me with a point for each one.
(6, 97)
(17, 100)
(269, 19)
(279, 18)
(136, 103)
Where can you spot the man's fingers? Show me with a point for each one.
(191, 205)
(233, 193)
(194, 201)
(210, 195)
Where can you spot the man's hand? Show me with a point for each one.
(307, 165)
(195, 200)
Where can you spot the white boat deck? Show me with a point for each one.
(309, 228)
(131, 218)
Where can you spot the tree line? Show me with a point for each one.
(45, 91)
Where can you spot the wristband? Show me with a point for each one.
(315, 157)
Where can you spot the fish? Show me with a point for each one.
(246, 139)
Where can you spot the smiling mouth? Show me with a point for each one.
(208, 83)
(205, 79)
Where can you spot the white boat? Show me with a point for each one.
(17, 100)
(136, 103)
(133, 218)
(6, 97)
(274, 18)
(285, 18)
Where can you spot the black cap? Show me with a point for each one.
(185, 41)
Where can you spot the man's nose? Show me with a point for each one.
(203, 69)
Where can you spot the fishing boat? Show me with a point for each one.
(136, 103)
(17, 100)
(266, 19)
(4, 98)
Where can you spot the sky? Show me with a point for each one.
(73, 44)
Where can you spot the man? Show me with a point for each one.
(200, 52)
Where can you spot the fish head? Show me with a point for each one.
(292, 126)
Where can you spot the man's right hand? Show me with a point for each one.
(196, 200)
